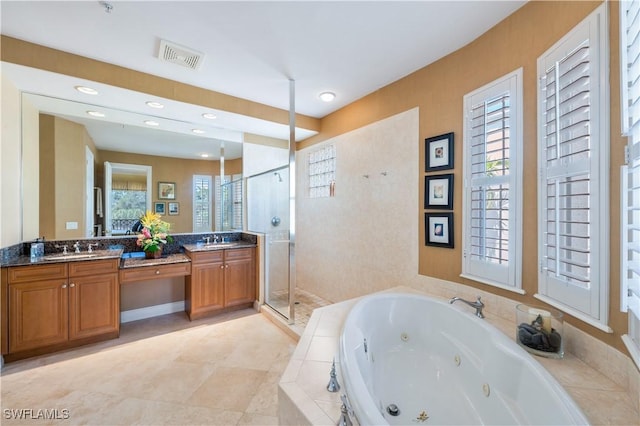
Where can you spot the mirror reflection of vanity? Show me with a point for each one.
(75, 200)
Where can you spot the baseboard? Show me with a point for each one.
(151, 311)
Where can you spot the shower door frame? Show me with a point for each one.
(291, 318)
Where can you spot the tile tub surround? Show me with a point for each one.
(303, 398)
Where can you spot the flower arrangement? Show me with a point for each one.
(155, 233)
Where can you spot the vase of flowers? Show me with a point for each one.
(154, 234)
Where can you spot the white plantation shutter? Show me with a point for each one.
(630, 174)
(573, 160)
(201, 203)
(493, 183)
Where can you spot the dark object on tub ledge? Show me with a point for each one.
(534, 337)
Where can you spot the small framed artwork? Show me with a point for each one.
(439, 152)
(438, 229)
(159, 207)
(166, 190)
(174, 208)
(438, 192)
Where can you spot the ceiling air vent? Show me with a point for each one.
(171, 52)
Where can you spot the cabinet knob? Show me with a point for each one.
(158, 272)
(72, 285)
(221, 266)
(226, 266)
(64, 286)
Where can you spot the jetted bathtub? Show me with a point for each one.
(410, 359)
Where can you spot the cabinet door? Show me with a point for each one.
(94, 305)
(239, 281)
(207, 288)
(38, 314)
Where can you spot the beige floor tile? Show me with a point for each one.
(163, 370)
(257, 419)
(228, 388)
(265, 401)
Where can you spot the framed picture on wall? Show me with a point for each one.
(438, 192)
(439, 152)
(174, 208)
(166, 190)
(159, 207)
(438, 229)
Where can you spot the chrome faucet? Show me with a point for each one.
(477, 304)
(77, 246)
(207, 240)
(91, 246)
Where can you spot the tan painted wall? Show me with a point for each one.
(47, 177)
(177, 170)
(63, 176)
(438, 91)
(69, 178)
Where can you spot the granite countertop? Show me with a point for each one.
(139, 262)
(69, 257)
(198, 247)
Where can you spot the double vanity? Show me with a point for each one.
(61, 301)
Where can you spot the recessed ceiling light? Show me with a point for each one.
(209, 115)
(95, 113)
(86, 90)
(154, 104)
(198, 131)
(204, 155)
(151, 123)
(327, 96)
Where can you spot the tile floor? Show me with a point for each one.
(305, 303)
(164, 370)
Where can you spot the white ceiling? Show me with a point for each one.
(251, 49)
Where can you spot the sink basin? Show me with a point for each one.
(220, 245)
(69, 256)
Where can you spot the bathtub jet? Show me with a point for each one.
(452, 368)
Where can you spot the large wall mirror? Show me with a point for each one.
(67, 135)
(101, 168)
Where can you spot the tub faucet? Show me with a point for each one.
(477, 304)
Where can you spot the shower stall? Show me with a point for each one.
(268, 212)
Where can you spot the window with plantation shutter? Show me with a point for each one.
(492, 203)
(630, 173)
(201, 203)
(573, 158)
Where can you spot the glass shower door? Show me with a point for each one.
(268, 213)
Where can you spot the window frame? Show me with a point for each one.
(629, 86)
(510, 276)
(552, 291)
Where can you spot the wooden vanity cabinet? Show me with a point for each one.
(220, 280)
(38, 306)
(240, 283)
(94, 298)
(62, 304)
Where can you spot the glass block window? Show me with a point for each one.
(322, 171)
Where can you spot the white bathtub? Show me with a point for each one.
(441, 365)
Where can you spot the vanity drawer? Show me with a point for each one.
(146, 273)
(23, 274)
(93, 267)
(243, 253)
(214, 256)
